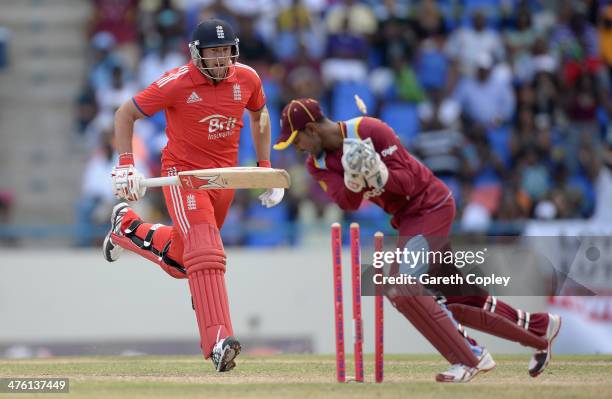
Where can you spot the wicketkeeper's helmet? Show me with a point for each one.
(213, 33)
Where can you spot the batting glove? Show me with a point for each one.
(126, 179)
(272, 196)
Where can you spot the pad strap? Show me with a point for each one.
(490, 304)
(146, 244)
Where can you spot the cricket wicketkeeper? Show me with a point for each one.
(363, 158)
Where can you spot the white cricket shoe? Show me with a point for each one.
(462, 373)
(110, 250)
(224, 352)
(540, 358)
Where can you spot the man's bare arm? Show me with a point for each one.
(260, 131)
(125, 117)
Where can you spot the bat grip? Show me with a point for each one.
(161, 181)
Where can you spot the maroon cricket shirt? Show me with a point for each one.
(412, 189)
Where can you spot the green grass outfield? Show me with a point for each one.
(307, 376)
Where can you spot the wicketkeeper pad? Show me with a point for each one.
(427, 316)
(495, 324)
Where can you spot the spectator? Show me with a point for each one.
(110, 98)
(345, 57)
(159, 60)
(605, 36)
(432, 65)
(519, 42)
(524, 134)
(515, 203)
(104, 59)
(535, 176)
(441, 146)
(87, 108)
(253, 49)
(574, 38)
(603, 184)
(95, 129)
(387, 9)
(467, 44)
(431, 61)
(298, 29)
(199, 10)
(439, 112)
(169, 22)
(350, 16)
(302, 79)
(395, 36)
(406, 82)
(97, 197)
(429, 22)
(546, 97)
(119, 18)
(486, 99)
(485, 170)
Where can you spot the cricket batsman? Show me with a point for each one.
(203, 103)
(362, 158)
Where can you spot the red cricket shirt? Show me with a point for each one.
(203, 119)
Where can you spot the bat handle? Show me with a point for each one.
(161, 181)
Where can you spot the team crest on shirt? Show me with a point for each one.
(191, 202)
(237, 93)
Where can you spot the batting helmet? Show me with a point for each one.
(213, 33)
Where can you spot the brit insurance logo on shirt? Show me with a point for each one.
(219, 126)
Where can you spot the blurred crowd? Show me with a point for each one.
(508, 101)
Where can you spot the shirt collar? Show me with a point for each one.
(199, 78)
(342, 129)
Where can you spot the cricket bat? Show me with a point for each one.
(224, 178)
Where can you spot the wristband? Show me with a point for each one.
(126, 158)
(264, 164)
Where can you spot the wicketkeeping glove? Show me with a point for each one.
(351, 163)
(373, 168)
(363, 165)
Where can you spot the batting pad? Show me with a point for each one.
(138, 238)
(204, 260)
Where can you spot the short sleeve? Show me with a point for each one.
(153, 99)
(258, 98)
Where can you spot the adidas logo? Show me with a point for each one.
(193, 98)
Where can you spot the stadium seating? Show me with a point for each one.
(403, 118)
(343, 104)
